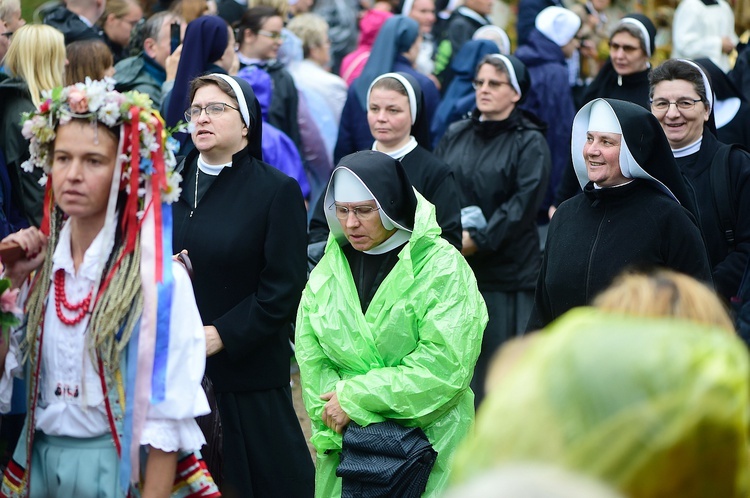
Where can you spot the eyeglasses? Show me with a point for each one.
(274, 35)
(493, 84)
(213, 109)
(662, 105)
(362, 213)
(7, 34)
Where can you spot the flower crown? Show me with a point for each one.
(97, 101)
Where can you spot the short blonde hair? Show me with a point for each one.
(117, 8)
(281, 6)
(8, 7)
(311, 29)
(37, 55)
(663, 292)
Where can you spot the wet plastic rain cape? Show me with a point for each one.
(654, 407)
(409, 358)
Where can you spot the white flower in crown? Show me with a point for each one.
(97, 101)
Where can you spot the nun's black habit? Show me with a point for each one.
(593, 237)
(246, 239)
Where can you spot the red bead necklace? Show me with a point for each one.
(61, 300)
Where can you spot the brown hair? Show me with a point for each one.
(87, 58)
(210, 79)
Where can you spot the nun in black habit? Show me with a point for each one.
(399, 102)
(243, 224)
(635, 210)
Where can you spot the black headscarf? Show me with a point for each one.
(386, 179)
(420, 129)
(643, 141)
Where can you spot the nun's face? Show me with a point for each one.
(495, 96)
(626, 54)
(389, 117)
(602, 155)
(221, 136)
(363, 231)
(681, 126)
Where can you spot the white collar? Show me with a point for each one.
(688, 149)
(465, 11)
(211, 169)
(598, 187)
(86, 21)
(95, 255)
(392, 242)
(399, 153)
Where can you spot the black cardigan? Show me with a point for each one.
(247, 244)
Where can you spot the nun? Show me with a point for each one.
(731, 109)
(719, 175)
(399, 124)
(390, 322)
(243, 223)
(635, 211)
(500, 240)
(395, 49)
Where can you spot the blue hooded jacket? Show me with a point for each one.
(551, 100)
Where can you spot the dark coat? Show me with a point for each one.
(459, 29)
(433, 179)
(593, 237)
(728, 267)
(502, 167)
(70, 25)
(551, 100)
(26, 192)
(608, 84)
(246, 241)
(527, 12)
(354, 131)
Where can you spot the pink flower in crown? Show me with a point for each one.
(78, 102)
(8, 301)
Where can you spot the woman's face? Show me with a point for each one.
(219, 137)
(264, 44)
(322, 53)
(83, 162)
(364, 234)
(626, 54)
(118, 29)
(389, 117)
(495, 96)
(423, 11)
(681, 126)
(602, 155)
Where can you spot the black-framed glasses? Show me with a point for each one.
(274, 35)
(7, 34)
(362, 213)
(662, 105)
(493, 84)
(213, 109)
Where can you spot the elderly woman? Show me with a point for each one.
(660, 387)
(682, 101)
(500, 240)
(109, 384)
(243, 223)
(635, 210)
(390, 321)
(395, 114)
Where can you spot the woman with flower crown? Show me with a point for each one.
(112, 345)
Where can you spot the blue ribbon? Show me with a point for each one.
(164, 290)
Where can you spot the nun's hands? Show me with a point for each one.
(333, 415)
(34, 245)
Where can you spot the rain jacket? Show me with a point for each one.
(409, 358)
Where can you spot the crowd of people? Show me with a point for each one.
(430, 215)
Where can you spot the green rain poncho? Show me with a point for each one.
(653, 407)
(409, 358)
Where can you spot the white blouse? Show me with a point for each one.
(71, 399)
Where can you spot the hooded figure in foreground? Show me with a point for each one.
(390, 322)
(653, 407)
(635, 210)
